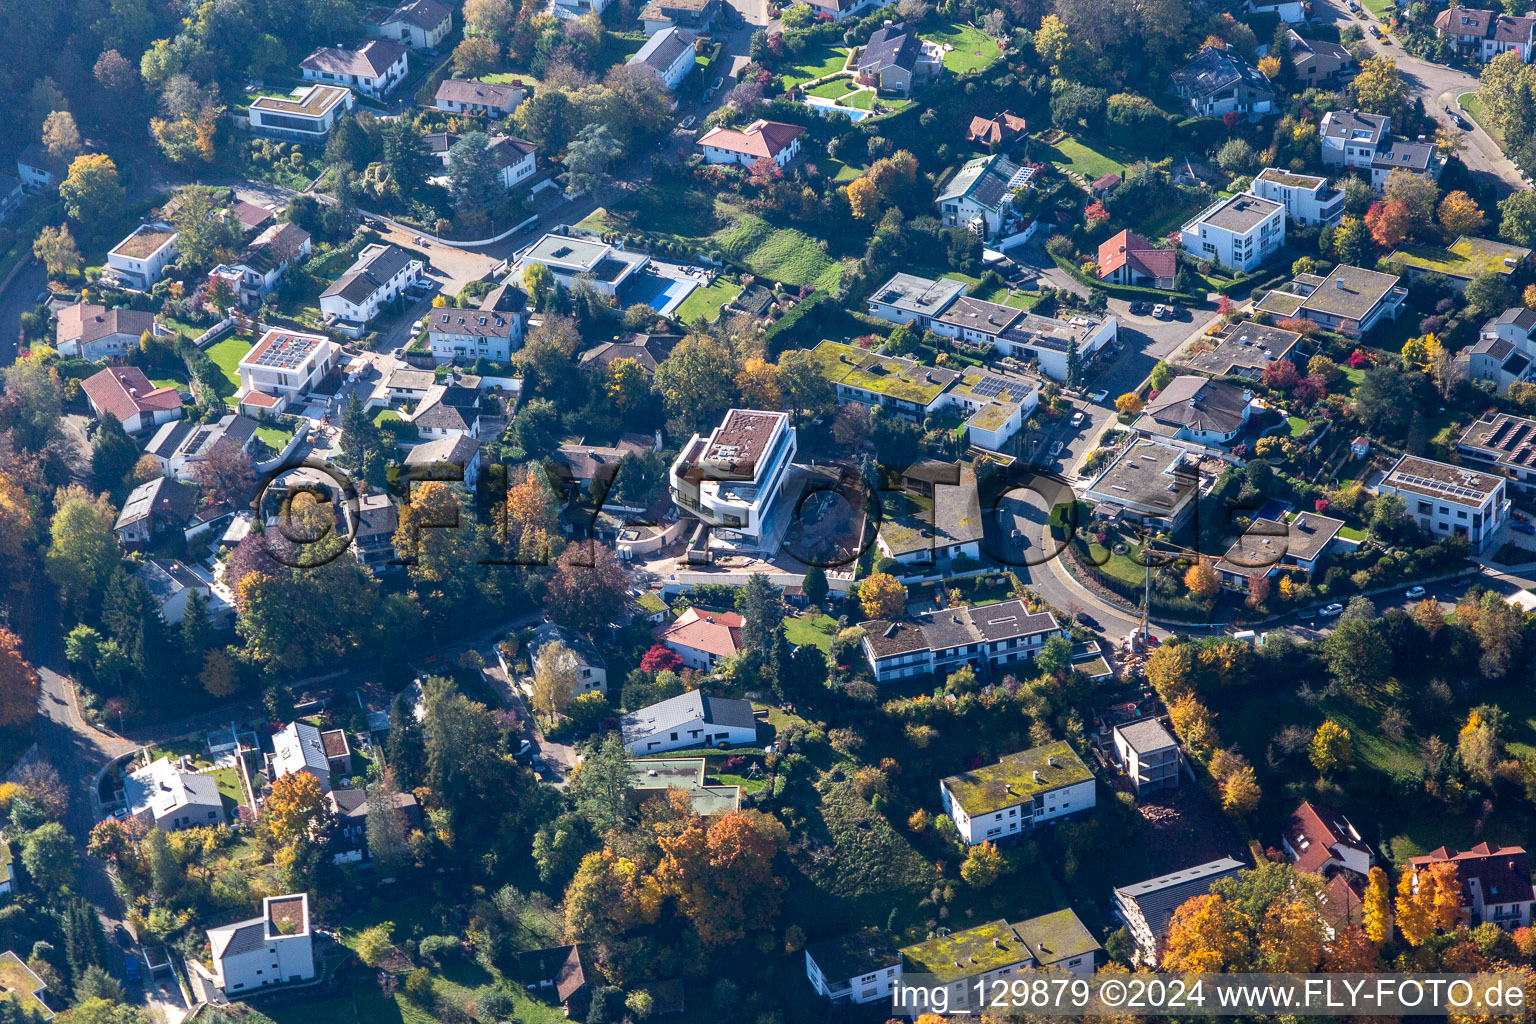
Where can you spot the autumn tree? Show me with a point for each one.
(587, 591)
(1478, 744)
(695, 380)
(374, 944)
(1331, 749)
(1207, 935)
(758, 383)
(1378, 906)
(983, 865)
(864, 198)
(882, 596)
(1291, 933)
(84, 549)
(1192, 722)
(55, 246)
(1130, 403)
(722, 875)
(91, 191)
(226, 474)
(218, 674)
(1202, 580)
(1389, 223)
(18, 683)
(1460, 215)
(1418, 193)
(1379, 88)
(295, 811)
(554, 679)
(1240, 792)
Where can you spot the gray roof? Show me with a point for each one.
(245, 938)
(1350, 292)
(891, 46)
(1413, 156)
(1352, 125)
(425, 14)
(1240, 214)
(1159, 897)
(1213, 70)
(168, 438)
(370, 61)
(952, 627)
(1145, 736)
(453, 408)
(298, 746)
(1519, 316)
(922, 295)
(472, 322)
(408, 378)
(551, 632)
(662, 50)
(167, 579)
(979, 315)
(983, 181)
(161, 496)
(684, 708)
(458, 450)
(375, 265)
(1198, 403)
(484, 94)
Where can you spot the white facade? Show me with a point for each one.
(382, 272)
(689, 720)
(732, 479)
(283, 365)
(1292, 12)
(577, 8)
(869, 953)
(981, 815)
(308, 115)
(571, 259)
(591, 670)
(457, 335)
(140, 259)
(163, 795)
(939, 642)
(258, 272)
(1350, 138)
(1449, 501)
(298, 747)
(1238, 233)
(354, 69)
(1307, 198)
(670, 53)
(276, 948)
(421, 25)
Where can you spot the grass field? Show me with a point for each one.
(1381, 8)
(384, 416)
(840, 171)
(705, 303)
(780, 254)
(274, 437)
(227, 355)
(1472, 106)
(178, 381)
(1023, 300)
(1071, 155)
(973, 48)
(801, 630)
(861, 100)
(831, 89)
(814, 63)
(1296, 425)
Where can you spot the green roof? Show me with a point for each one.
(1012, 780)
(1057, 936)
(901, 379)
(19, 983)
(651, 603)
(1282, 302)
(1465, 258)
(854, 955)
(657, 775)
(963, 954)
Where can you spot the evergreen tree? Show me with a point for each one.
(405, 154)
(113, 454)
(815, 585)
(762, 612)
(133, 619)
(1285, 77)
(1074, 365)
(196, 632)
(406, 746)
(362, 444)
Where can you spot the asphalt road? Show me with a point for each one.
(17, 299)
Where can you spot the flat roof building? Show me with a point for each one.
(1006, 800)
(1449, 501)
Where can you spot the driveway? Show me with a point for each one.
(1438, 86)
(19, 297)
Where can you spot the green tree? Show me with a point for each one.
(1358, 656)
(405, 154)
(546, 120)
(587, 158)
(599, 788)
(815, 585)
(804, 384)
(84, 549)
(362, 448)
(1488, 295)
(1331, 749)
(696, 379)
(48, 854)
(983, 865)
(113, 454)
(91, 191)
(1352, 242)
(374, 945)
(1517, 217)
(1161, 374)
(386, 822)
(474, 181)
(164, 872)
(55, 246)
(762, 612)
(201, 232)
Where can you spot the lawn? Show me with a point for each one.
(705, 303)
(801, 630)
(227, 355)
(1297, 425)
(680, 209)
(1472, 106)
(228, 780)
(1168, 220)
(832, 88)
(273, 436)
(973, 48)
(1023, 300)
(861, 100)
(779, 254)
(1071, 155)
(840, 171)
(178, 381)
(385, 416)
(814, 63)
(1121, 567)
(1381, 8)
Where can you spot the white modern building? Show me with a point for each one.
(299, 747)
(381, 274)
(1292, 12)
(274, 949)
(1505, 445)
(861, 967)
(670, 53)
(419, 24)
(1350, 300)
(732, 479)
(139, 260)
(689, 720)
(1306, 197)
(909, 299)
(1147, 907)
(306, 115)
(988, 637)
(572, 259)
(261, 268)
(963, 969)
(1449, 501)
(1239, 233)
(373, 70)
(1350, 138)
(164, 794)
(1149, 754)
(280, 367)
(1006, 800)
(980, 195)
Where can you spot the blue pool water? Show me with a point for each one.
(663, 294)
(1273, 509)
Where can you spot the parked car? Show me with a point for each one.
(1161, 312)
(1077, 418)
(1098, 397)
(1461, 122)
(1414, 593)
(131, 967)
(1523, 527)
(1056, 448)
(1328, 611)
(1139, 308)
(1085, 619)
(689, 122)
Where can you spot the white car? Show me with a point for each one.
(1159, 311)
(1077, 419)
(1414, 593)
(1328, 611)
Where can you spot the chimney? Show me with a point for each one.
(1051, 760)
(1037, 775)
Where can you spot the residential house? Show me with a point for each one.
(273, 949)
(1127, 258)
(976, 321)
(180, 445)
(860, 967)
(455, 458)
(988, 638)
(11, 195)
(464, 335)
(516, 159)
(1351, 138)
(934, 518)
(1104, 184)
(1149, 754)
(349, 839)
(980, 195)
(35, 168)
(996, 132)
(124, 392)
(591, 669)
(87, 331)
(572, 259)
(1502, 444)
(1147, 907)
(468, 96)
(1321, 841)
(562, 972)
(1244, 349)
(280, 367)
(374, 69)
(1292, 12)
(760, 140)
(1449, 501)
(968, 965)
(338, 751)
(1495, 882)
(579, 466)
(697, 16)
(701, 637)
(837, 10)
(1318, 61)
(373, 531)
(418, 24)
(1198, 410)
(896, 59)
(1219, 82)
(1239, 233)
(138, 260)
(259, 270)
(653, 776)
(1400, 156)
(689, 720)
(298, 747)
(305, 115)
(1050, 342)
(152, 508)
(1483, 35)
(1150, 482)
(408, 384)
(1350, 300)
(1268, 548)
(1504, 351)
(733, 479)
(649, 350)
(172, 583)
(249, 216)
(579, 8)
(909, 299)
(1463, 261)
(381, 274)
(163, 794)
(670, 53)
(19, 983)
(450, 409)
(1006, 800)
(1306, 197)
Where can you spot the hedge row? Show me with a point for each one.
(1121, 291)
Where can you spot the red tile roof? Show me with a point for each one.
(717, 633)
(1130, 248)
(125, 392)
(761, 138)
(998, 128)
(1502, 872)
(1313, 832)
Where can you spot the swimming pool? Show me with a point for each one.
(663, 294)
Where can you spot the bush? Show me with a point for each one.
(418, 987)
(438, 948)
(496, 1005)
